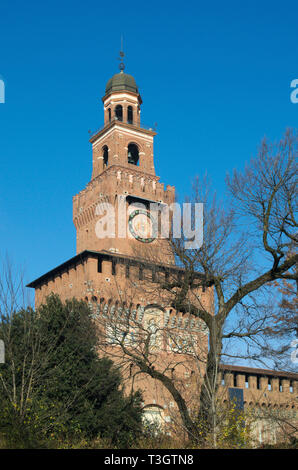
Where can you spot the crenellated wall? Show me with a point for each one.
(261, 385)
(105, 275)
(113, 183)
(270, 399)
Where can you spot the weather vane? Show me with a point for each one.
(121, 65)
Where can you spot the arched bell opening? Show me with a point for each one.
(129, 115)
(119, 112)
(133, 154)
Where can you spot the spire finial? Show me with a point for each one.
(121, 65)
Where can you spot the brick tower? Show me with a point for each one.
(113, 214)
(123, 176)
(121, 272)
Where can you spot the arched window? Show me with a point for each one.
(154, 415)
(119, 112)
(129, 115)
(109, 111)
(105, 154)
(133, 154)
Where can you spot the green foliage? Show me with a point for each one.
(235, 428)
(54, 385)
(232, 429)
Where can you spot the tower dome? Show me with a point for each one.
(121, 81)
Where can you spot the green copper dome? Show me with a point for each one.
(121, 81)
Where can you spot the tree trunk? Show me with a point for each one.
(208, 412)
(190, 427)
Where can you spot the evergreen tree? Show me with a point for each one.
(72, 390)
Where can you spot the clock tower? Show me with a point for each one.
(114, 212)
(123, 254)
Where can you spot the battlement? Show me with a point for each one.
(256, 383)
(117, 180)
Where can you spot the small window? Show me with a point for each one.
(246, 381)
(133, 154)
(99, 266)
(113, 267)
(258, 383)
(129, 115)
(127, 271)
(119, 112)
(109, 113)
(105, 154)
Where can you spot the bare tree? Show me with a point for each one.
(249, 243)
(12, 300)
(285, 327)
(245, 248)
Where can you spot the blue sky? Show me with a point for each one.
(214, 76)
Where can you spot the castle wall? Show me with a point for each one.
(270, 400)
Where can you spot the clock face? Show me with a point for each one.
(141, 226)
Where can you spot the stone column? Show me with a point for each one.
(275, 385)
(285, 386)
(252, 382)
(264, 383)
(229, 380)
(240, 380)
